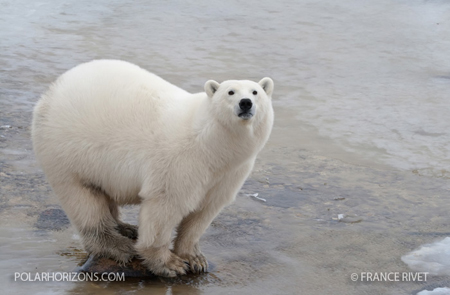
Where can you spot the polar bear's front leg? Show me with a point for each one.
(157, 218)
(194, 225)
(188, 235)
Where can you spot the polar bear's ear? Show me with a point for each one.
(267, 84)
(211, 87)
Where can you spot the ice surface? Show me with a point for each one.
(437, 291)
(432, 258)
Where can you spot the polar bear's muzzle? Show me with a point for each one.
(246, 109)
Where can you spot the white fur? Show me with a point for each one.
(136, 138)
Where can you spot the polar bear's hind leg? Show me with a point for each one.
(89, 210)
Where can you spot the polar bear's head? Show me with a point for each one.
(242, 99)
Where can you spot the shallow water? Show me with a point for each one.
(362, 130)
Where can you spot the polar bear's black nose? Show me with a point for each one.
(245, 104)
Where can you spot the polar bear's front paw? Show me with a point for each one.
(162, 262)
(197, 262)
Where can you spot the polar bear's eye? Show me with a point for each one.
(231, 92)
(255, 92)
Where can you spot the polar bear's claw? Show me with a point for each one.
(162, 262)
(197, 262)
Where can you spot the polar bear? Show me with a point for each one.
(109, 133)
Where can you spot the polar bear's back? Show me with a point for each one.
(108, 88)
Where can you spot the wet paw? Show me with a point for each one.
(173, 267)
(163, 262)
(197, 262)
(122, 258)
(114, 246)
